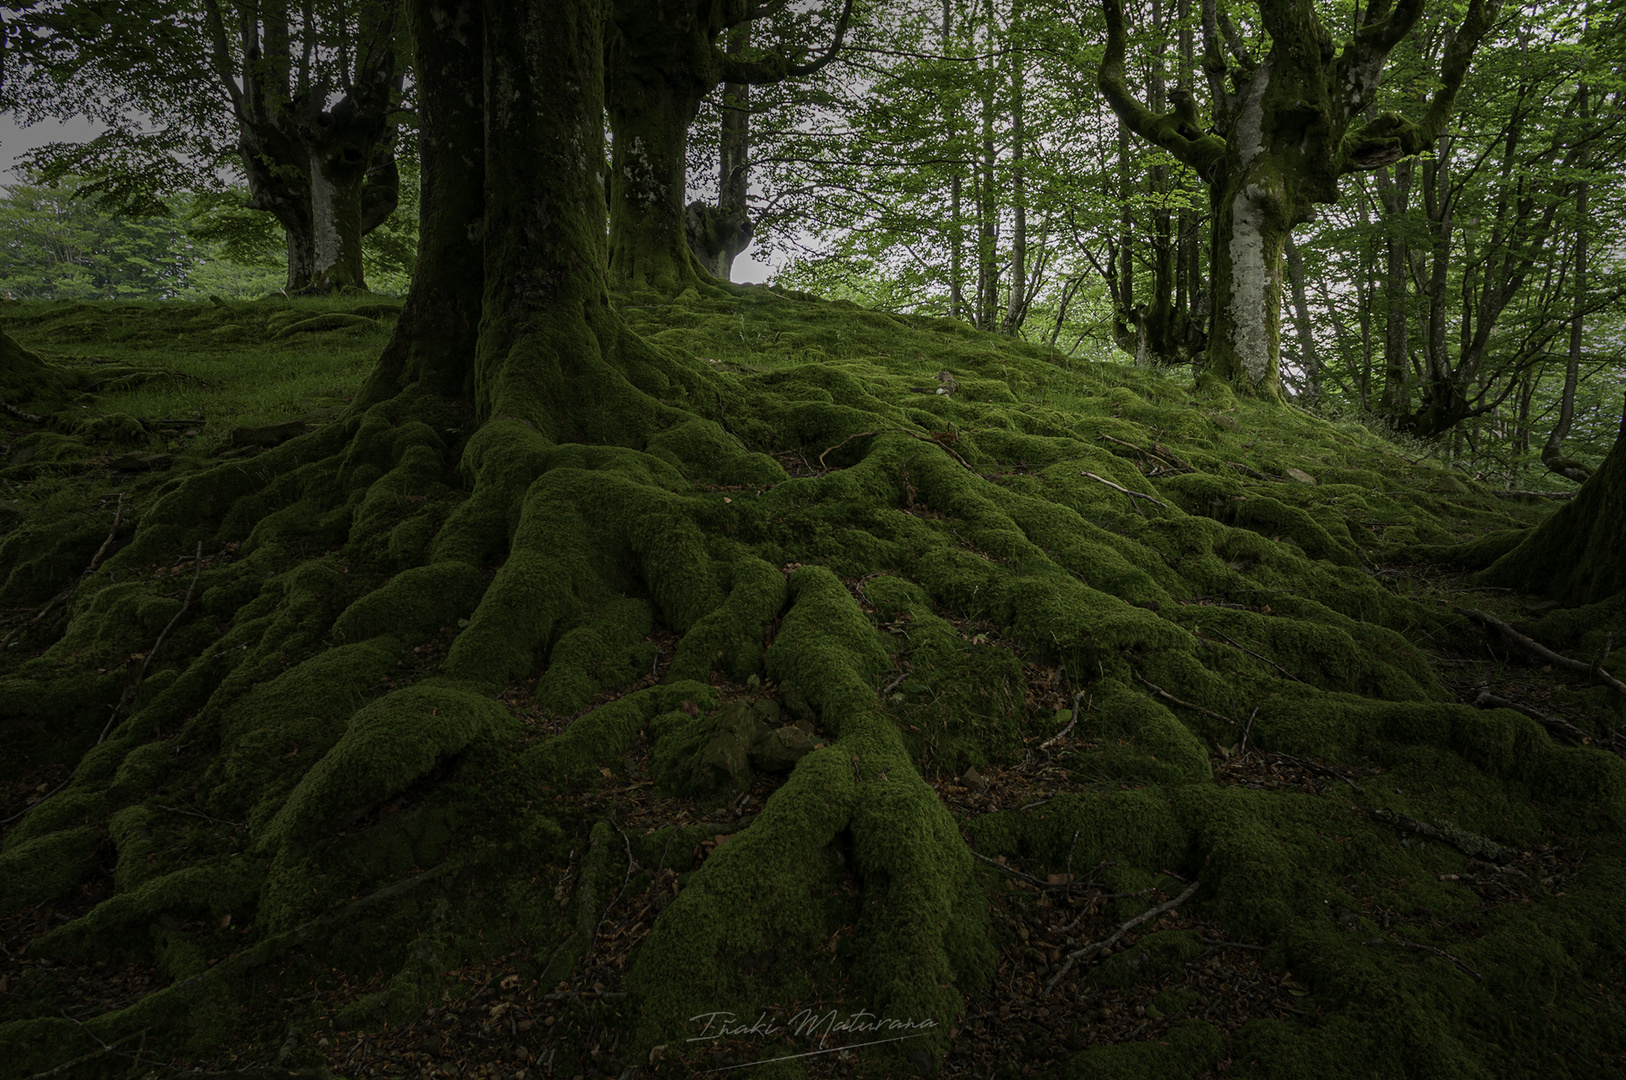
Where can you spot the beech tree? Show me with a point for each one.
(306, 101)
(1284, 127)
(662, 58)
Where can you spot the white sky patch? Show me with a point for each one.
(16, 140)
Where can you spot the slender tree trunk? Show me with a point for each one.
(987, 191)
(1444, 400)
(1365, 298)
(1127, 335)
(1393, 193)
(956, 218)
(1016, 302)
(1309, 355)
(718, 234)
(1552, 451)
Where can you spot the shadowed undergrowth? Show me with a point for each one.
(343, 711)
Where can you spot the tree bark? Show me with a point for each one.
(1574, 556)
(1309, 354)
(718, 234)
(1552, 451)
(1016, 301)
(956, 221)
(658, 67)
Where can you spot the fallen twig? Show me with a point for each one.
(1250, 652)
(1243, 750)
(1470, 844)
(107, 1048)
(62, 597)
(1542, 652)
(1488, 700)
(1133, 495)
(25, 416)
(1186, 704)
(1250, 471)
(1429, 948)
(118, 516)
(895, 431)
(1058, 736)
(1090, 950)
(1157, 452)
(1217, 944)
(1324, 770)
(138, 673)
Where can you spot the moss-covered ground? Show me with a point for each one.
(858, 700)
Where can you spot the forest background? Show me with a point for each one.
(954, 157)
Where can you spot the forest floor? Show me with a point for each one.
(1398, 882)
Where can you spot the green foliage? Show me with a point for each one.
(58, 246)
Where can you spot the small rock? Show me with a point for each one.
(781, 748)
(974, 780)
(1300, 475)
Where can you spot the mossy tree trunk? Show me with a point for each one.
(1285, 127)
(662, 58)
(1575, 555)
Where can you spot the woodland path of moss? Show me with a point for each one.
(417, 646)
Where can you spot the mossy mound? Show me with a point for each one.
(695, 686)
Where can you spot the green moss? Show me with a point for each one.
(1190, 1049)
(414, 604)
(608, 731)
(730, 638)
(961, 702)
(952, 551)
(47, 866)
(385, 747)
(224, 886)
(609, 650)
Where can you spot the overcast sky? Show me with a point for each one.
(16, 141)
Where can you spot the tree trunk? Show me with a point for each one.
(1253, 209)
(1395, 401)
(718, 234)
(652, 95)
(325, 170)
(1281, 139)
(956, 221)
(1552, 451)
(1574, 556)
(987, 191)
(1016, 301)
(1309, 354)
